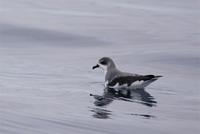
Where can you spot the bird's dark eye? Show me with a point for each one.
(103, 62)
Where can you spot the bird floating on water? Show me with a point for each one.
(116, 79)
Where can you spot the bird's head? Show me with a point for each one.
(105, 63)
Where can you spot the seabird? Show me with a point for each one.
(114, 78)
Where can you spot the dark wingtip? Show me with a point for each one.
(150, 76)
(154, 76)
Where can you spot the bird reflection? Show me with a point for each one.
(101, 113)
(139, 96)
(105, 99)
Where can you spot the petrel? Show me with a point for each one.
(116, 79)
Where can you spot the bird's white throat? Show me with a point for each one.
(104, 68)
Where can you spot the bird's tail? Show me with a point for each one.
(158, 76)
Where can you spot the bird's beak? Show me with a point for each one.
(96, 66)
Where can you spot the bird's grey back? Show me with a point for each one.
(113, 73)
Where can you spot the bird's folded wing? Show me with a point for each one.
(121, 80)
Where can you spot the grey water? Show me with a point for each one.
(48, 48)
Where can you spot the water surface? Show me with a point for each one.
(47, 49)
